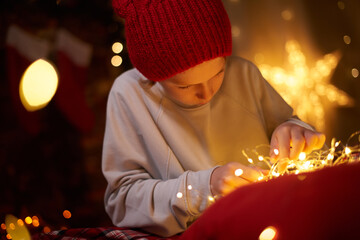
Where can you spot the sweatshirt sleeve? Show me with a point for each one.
(136, 195)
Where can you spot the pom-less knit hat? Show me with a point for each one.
(166, 37)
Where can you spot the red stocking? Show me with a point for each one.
(73, 57)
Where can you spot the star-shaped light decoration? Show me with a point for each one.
(307, 90)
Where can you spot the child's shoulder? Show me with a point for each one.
(241, 64)
(128, 79)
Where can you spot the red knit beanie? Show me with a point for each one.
(166, 37)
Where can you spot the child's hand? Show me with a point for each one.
(291, 139)
(227, 178)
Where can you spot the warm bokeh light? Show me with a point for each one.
(46, 229)
(117, 47)
(235, 31)
(38, 85)
(20, 222)
(16, 228)
(287, 15)
(239, 172)
(347, 39)
(269, 233)
(179, 195)
(28, 220)
(190, 187)
(116, 61)
(3, 226)
(355, 72)
(36, 223)
(311, 83)
(302, 156)
(67, 214)
(341, 5)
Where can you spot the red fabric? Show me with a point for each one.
(70, 95)
(168, 37)
(313, 206)
(99, 233)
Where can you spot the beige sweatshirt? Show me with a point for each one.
(154, 148)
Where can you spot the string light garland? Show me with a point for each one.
(337, 154)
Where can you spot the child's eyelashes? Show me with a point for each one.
(184, 87)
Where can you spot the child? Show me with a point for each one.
(177, 123)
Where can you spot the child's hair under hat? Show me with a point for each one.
(166, 37)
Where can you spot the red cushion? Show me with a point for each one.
(320, 205)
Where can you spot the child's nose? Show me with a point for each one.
(204, 92)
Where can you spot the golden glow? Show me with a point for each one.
(235, 31)
(38, 85)
(67, 214)
(36, 223)
(269, 233)
(28, 220)
(347, 150)
(250, 160)
(116, 61)
(179, 195)
(311, 83)
(239, 172)
(211, 199)
(3, 226)
(20, 222)
(12, 226)
(347, 39)
(341, 5)
(117, 47)
(276, 151)
(287, 15)
(355, 72)
(15, 228)
(261, 158)
(46, 229)
(302, 156)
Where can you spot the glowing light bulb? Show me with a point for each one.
(261, 158)
(302, 156)
(211, 199)
(179, 195)
(116, 61)
(28, 220)
(269, 233)
(189, 187)
(347, 151)
(238, 172)
(117, 47)
(330, 156)
(276, 151)
(260, 178)
(38, 85)
(20, 222)
(46, 229)
(250, 160)
(347, 39)
(355, 72)
(67, 214)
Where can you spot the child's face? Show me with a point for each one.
(196, 86)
